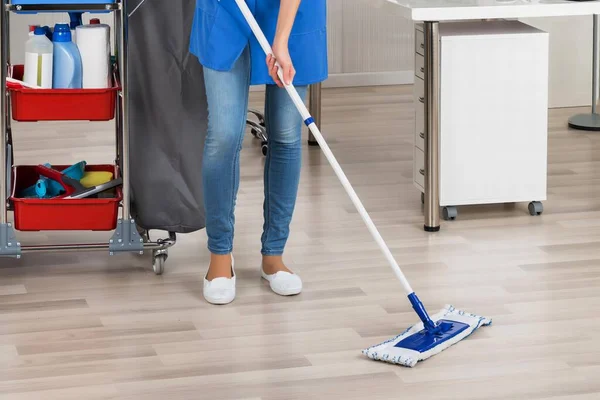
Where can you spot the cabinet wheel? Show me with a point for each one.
(265, 148)
(450, 213)
(536, 208)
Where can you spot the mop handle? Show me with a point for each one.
(299, 103)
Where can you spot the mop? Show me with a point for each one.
(434, 333)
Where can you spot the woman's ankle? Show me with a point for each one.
(273, 264)
(220, 266)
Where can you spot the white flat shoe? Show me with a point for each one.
(220, 291)
(284, 283)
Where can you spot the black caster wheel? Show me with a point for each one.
(159, 258)
(449, 213)
(264, 147)
(536, 208)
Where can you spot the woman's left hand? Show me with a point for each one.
(281, 54)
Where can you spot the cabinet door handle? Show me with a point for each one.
(422, 135)
(422, 100)
(422, 70)
(422, 172)
(423, 45)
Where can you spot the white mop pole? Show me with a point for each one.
(328, 154)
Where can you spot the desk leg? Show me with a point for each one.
(432, 127)
(315, 110)
(591, 122)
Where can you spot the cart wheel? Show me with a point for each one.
(159, 258)
(536, 208)
(265, 148)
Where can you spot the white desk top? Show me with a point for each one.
(447, 10)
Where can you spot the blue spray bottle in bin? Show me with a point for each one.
(48, 32)
(67, 70)
(76, 20)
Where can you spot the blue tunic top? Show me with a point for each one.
(220, 34)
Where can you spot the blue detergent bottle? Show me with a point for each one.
(67, 69)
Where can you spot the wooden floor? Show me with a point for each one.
(88, 326)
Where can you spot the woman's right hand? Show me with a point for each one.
(281, 55)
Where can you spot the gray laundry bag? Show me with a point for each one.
(168, 117)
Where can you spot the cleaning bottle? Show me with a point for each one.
(48, 32)
(67, 72)
(32, 30)
(39, 60)
(76, 20)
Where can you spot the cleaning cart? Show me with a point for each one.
(101, 213)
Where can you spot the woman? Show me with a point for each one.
(233, 60)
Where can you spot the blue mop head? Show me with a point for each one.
(417, 344)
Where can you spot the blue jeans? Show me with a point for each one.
(227, 94)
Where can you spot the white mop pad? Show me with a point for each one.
(388, 352)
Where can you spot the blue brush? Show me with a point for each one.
(432, 334)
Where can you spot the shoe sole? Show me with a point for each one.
(219, 302)
(289, 292)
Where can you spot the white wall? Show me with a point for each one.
(570, 59)
(367, 46)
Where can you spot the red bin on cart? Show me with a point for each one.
(93, 214)
(30, 105)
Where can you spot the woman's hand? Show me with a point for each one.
(281, 54)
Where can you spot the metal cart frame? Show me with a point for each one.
(127, 237)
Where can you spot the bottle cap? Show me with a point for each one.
(95, 21)
(32, 28)
(62, 33)
(39, 31)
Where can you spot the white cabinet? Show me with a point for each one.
(494, 118)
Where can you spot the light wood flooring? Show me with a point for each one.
(88, 326)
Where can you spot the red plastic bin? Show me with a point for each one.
(31, 105)
(63, 214)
